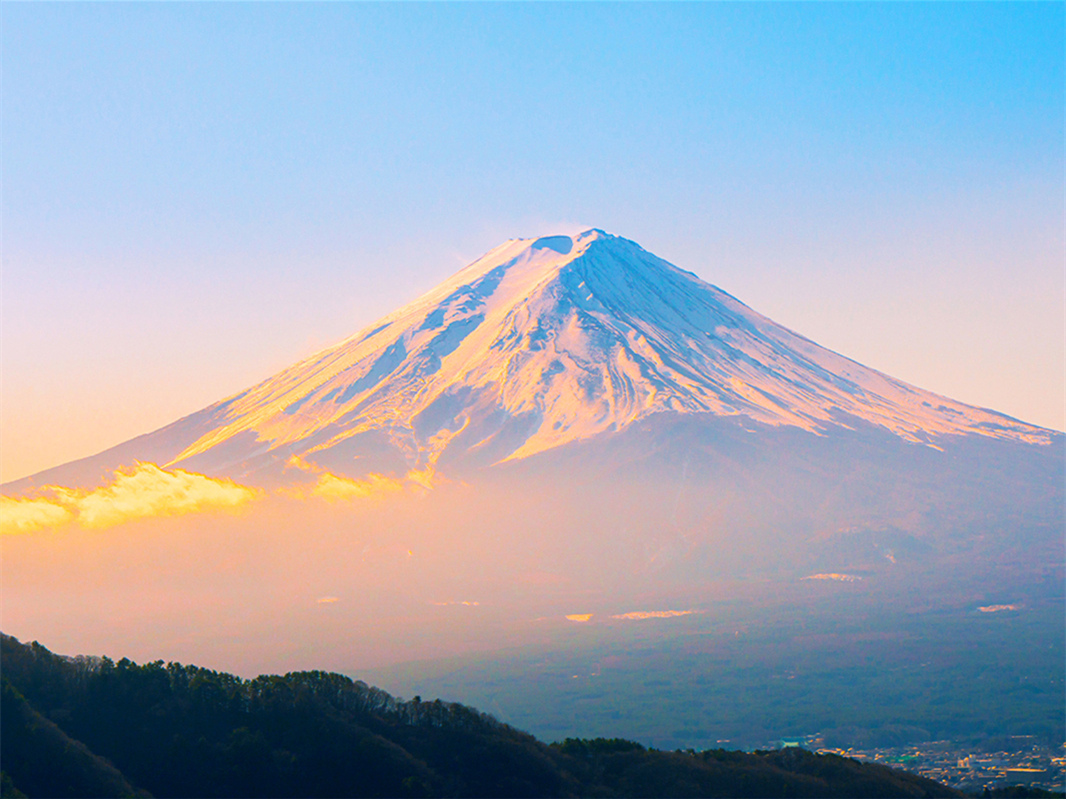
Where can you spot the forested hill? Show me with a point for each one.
(91, 727)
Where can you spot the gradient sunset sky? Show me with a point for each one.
(197, 195)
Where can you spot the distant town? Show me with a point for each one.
(1023, 761)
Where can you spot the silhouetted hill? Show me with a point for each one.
(47, 761)
(92, 727)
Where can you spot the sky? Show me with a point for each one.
(196, 195)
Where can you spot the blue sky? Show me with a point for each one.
(195, 195)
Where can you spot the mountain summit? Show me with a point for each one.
(608, 439)
(540, 343)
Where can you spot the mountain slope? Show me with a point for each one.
(538, 344)
(604, 435)
(184, 731)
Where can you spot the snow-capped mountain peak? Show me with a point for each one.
(542, 342)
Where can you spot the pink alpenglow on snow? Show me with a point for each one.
(539, 344)
(569, 429)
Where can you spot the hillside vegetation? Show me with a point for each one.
(93, 727)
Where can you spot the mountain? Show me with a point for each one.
(575, 447)
(539, 344)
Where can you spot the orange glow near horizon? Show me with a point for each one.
(147, 490)
(137, 492)
(840, 578)
(29, 515)
(333, 488)
(639, 615)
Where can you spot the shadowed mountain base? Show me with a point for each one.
(178, 730)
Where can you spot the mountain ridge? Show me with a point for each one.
(536, 344)
(180, 730)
